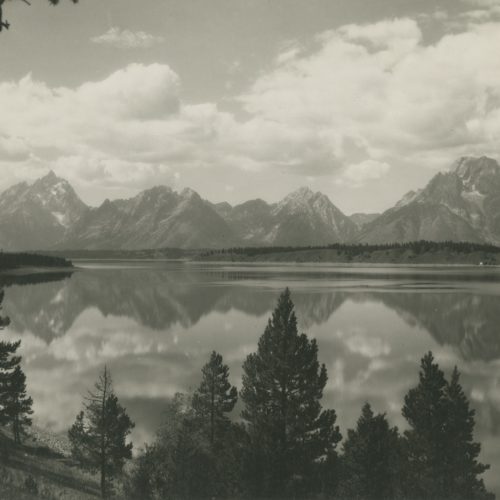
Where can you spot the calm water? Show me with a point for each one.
(155, 324)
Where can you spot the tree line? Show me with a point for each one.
(356, 249)
(285, 445)
(10, 261)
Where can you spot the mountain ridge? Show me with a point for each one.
(461, 204)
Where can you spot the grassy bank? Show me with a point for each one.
(40, 468)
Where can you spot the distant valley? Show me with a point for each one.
(460, 205)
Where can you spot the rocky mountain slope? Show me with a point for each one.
(301, 218)
(37, 216)
(361, 219)
(158, 217)
(50, 215)
(460, 205)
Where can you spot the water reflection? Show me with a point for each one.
(154, 325)
(160, 298)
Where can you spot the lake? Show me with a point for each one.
(155, 323)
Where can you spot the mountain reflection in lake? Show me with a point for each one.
(154, 324)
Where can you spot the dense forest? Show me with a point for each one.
(417, 252)
(353, 249)
(283, 444)
(9, 261)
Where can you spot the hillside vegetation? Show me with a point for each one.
(40, 469)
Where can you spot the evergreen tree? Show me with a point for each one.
(442, 457)
(180, 463)
(463, 467)
(215, 396)
(371, 459)
(425, 410)
(7, 363)
(18, 404)
(282, 387)
(15, 405)
(98, 436)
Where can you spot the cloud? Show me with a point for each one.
(482, 3)
(126, 39)
(376, 92)
(359, 174)
(354, 101)
(384, 34)
(482, 10)
(129, 124)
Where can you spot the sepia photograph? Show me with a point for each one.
(250, 249)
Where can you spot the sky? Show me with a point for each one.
(362, 100)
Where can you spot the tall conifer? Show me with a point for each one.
(15, 405)
(215, 396)
(371, 459)
(442, 456)
(98, 436)
(283, 384)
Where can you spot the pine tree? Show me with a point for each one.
(15, 405)
(442, 457)
(371, 459)
(98, 436)
(463, 467)
(18, 404)
(282, 387)
(180, 463)
(7, 363)
(215, 396)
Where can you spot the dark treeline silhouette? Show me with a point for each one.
(356, 249)
(287, 446)
(17, 260)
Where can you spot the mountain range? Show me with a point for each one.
(462, 204)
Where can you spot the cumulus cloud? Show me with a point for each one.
(357, 174)
(126, 39)
(358, 99)
(482, 3)
(127, 128)
(379, 90)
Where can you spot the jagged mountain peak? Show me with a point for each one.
(188, 193)
(37, 216)
(305, 198)
(50, 176)
(481, 175)
(461, 204)
(51, 179)
(302, 193)
(468, 166)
